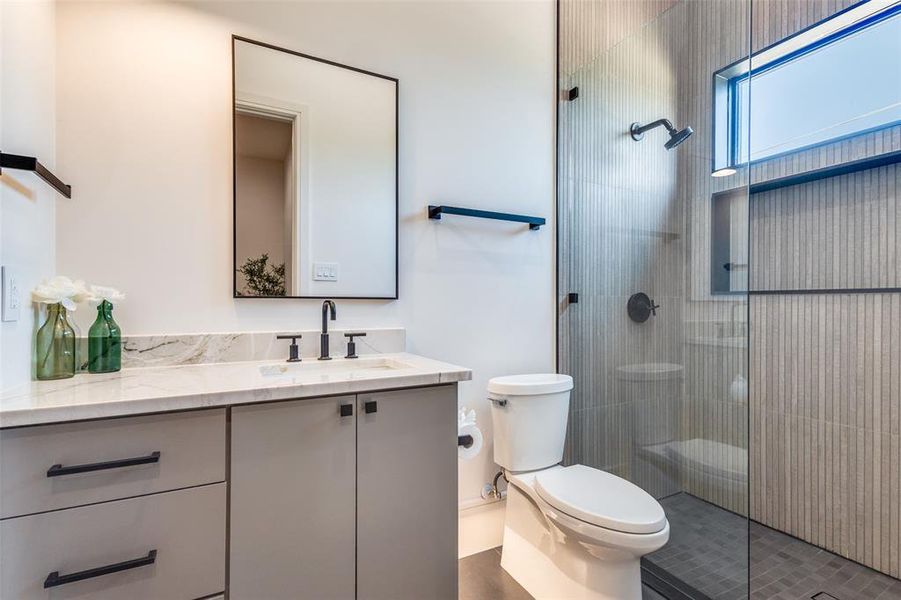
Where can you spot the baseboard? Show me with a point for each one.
(481, 528)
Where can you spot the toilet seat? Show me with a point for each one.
(586, 532)
(601, 499)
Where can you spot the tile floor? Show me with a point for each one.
(708, 550)
(482, 578)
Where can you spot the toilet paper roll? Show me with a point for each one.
(468, 453)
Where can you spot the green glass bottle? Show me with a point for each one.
(55, 346)
(104, 341)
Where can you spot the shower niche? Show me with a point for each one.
(729, 242)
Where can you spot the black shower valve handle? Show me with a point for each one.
(640, 307)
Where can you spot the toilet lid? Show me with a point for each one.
(530, 385)
(601, 498)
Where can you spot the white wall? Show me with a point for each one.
(144, 131)
(27, 204)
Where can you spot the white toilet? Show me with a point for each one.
(569, 532)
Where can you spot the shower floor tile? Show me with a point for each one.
(708, 551)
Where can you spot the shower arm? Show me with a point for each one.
(638, 131)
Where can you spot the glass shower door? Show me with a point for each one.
(653, 273)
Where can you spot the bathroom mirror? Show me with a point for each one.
(315, 177)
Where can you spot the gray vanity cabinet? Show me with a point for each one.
(407, 494)
(292, 500)
(131, 507)
(330, 506)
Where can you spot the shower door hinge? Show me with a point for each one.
(572, 94)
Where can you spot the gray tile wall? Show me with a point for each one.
(619, 205)
(841, 232)
(634, 219)
(825, 387)
(714, 351)
(826, 449)
(826, 368)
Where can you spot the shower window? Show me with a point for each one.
(834, 80)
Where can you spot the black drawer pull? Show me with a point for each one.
(54, 579)
(371, 407)
(346, 410)
(57, 470)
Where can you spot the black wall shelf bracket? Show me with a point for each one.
(30, 163)
(435, 212)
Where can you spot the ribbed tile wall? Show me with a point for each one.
(826, 424)
(619, 210)
(634, 217)
(825, 368)
(841, 232)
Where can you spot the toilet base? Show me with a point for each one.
(551, 566)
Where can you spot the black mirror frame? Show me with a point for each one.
(235, 294)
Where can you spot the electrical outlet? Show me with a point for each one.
(325, 271)
(11, 295)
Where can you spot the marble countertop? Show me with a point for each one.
(162, 389)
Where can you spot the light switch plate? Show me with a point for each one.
(12, 295)
(325, 271)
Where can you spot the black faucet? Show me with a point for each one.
(327, 306)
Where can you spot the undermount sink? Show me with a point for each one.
(339, 366)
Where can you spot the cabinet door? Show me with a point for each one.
(407, 494)
(292, 500)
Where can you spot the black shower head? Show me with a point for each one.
(675, 137)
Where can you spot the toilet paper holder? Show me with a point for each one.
(464, 440)
(469, 437)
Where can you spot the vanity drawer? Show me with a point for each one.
(185, 528)
(60, 466)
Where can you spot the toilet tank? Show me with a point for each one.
(529, 414)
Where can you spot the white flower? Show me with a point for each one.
(83, 292)
(61, 290)
(101, 292)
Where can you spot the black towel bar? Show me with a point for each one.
(435, 212)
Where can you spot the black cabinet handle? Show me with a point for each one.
(346, 410)
(57, 470)
(54, 579)
(371, 407)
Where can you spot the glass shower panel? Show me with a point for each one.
(656, 248)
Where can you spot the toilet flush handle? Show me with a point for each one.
(498, 401)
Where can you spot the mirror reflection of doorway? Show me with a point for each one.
(266, 204)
